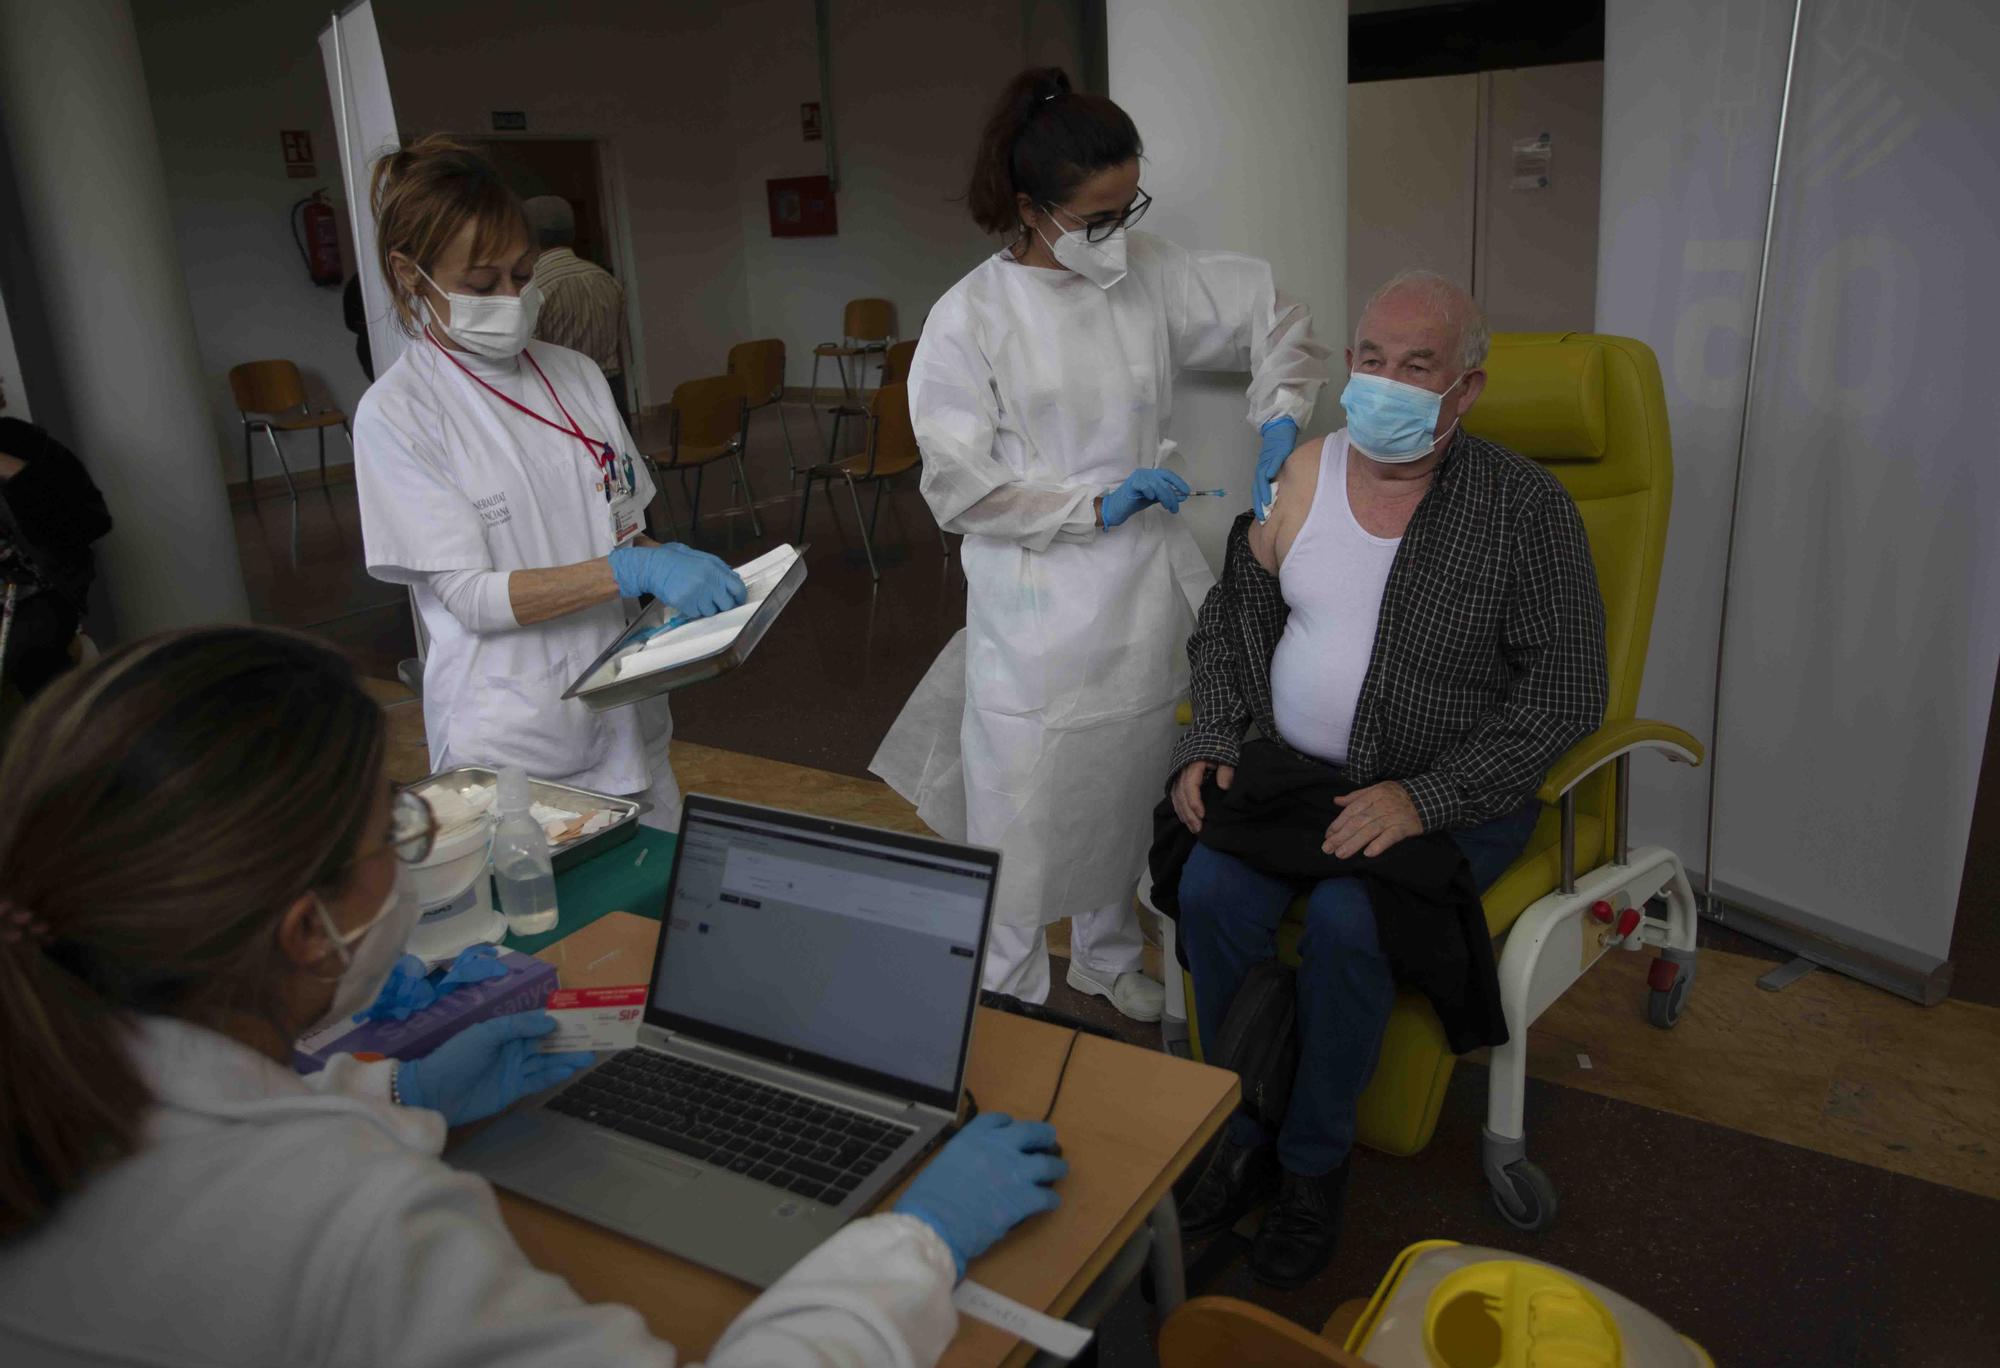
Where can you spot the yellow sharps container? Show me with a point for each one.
(1448, 1305)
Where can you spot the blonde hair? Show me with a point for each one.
(423, 196)
(159, 809)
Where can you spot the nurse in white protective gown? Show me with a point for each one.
(498, 482)
(1040, 393)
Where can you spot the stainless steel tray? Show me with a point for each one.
(601, 690)
(572, 852)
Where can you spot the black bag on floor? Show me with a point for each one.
(1260, 1041)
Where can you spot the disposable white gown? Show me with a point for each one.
(1044, 728)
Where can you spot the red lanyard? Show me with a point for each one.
(600, 451)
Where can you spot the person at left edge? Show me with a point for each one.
(498, 482)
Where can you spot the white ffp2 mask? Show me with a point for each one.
(1100, 263)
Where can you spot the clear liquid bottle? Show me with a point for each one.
(521, 866)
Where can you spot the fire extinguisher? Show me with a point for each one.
(317, 238)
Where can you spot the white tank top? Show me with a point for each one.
(1332, 579)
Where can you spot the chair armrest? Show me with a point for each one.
(1610, 741)
(1184, 713)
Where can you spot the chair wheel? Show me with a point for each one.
(1663, 1005)
(1529, 1202)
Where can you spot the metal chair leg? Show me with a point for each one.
(805, 503)
(290, 489)
(875, 509)
(785, 429)
(749, 497)
(867, 529)
(812, 396)
(694, 513)
(249, 460)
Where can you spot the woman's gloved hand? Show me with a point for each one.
(990, 1177)
(1280, 436)
(486, 1068)
(698, 584)
(1143, 487)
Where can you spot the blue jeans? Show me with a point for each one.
(1229, 922)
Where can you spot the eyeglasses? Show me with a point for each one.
(413, 827)
(1099, 227)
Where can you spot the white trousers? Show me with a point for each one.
(1107, 942)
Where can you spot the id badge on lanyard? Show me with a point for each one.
(628, 515)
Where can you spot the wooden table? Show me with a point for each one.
(1131, 1121)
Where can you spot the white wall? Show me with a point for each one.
(653, 81)
(226, 77)
(1243, 108)
(698, 106)
(912, 82)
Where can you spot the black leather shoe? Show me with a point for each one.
(1300, 1230)
(1237, 1178)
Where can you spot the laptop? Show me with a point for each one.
(804, 1043)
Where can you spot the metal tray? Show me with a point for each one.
(572, 852)
(601, 690)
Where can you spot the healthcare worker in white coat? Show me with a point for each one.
(498, 482)
(200, 857)
(1041, 392)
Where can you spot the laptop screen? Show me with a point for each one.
(811, 942)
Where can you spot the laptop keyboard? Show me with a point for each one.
(792, 1142)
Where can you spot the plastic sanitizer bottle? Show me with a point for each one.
(521, 867)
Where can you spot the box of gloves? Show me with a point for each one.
(416, 1012)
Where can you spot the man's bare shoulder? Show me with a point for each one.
(1296, 485)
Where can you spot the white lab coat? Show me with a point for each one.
(268, 1221)
(450, 478)
(1045, 727)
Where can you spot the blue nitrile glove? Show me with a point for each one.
(486, 1068)
(404, 993)
(1280, 436)
(1149, 486)
(475, 964)
(698, 584)
(988, 1178)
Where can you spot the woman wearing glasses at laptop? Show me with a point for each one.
(1040, 393)
(201, 858)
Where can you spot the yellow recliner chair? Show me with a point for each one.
(1591, 408)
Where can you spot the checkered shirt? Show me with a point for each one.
(1488, 661)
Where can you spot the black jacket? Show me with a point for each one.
(1428, 917)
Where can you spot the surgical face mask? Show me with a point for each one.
(1100, 263)
(369, 952)
(1390, 421)
(495, 326)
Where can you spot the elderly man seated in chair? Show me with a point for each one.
(1416, 633)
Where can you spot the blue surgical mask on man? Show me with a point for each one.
(1392, 422)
